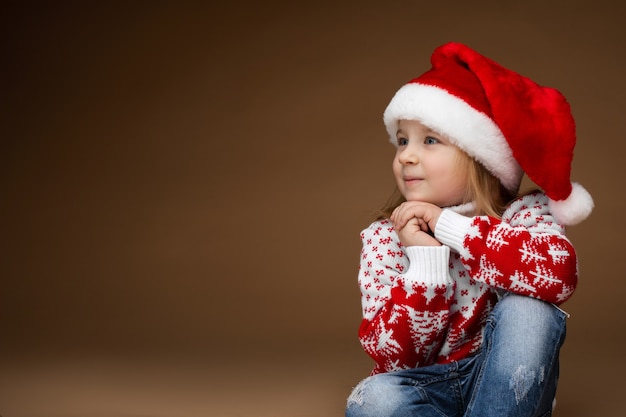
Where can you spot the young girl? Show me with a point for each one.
(460, 277)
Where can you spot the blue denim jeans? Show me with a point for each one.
(514, 374)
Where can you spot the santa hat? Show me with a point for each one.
(504, 120)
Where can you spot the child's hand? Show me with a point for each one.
(415, 222)
(413, 235)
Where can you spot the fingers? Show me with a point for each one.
(427, 215)
(422, 225)
(406, 211)
(413, 234)
(417, 223)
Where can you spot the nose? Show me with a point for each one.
(408, 155)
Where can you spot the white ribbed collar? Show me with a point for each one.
(467, 209)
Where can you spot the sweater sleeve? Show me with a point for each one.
(405, 295)
(525, 253)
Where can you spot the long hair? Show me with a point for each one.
(489, 196)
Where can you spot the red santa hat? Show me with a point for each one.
(502, 119)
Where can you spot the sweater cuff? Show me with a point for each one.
(428, 265)
(452, 228)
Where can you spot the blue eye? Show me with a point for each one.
(403, 141)
(429, 140)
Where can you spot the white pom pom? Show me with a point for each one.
(575, 208)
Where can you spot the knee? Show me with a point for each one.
(526, 331)
(529, 317)
(375, 396)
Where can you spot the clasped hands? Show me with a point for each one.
(415, 221)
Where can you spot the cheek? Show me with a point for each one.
(460, 185)
(454, 183)
(396, 167)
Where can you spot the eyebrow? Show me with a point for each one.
(429, 131)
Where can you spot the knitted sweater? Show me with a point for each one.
(428, 304)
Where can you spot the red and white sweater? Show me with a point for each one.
(428, 304)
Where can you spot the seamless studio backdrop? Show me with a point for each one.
(182, 187)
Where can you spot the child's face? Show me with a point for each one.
(426, 166)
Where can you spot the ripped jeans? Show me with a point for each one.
(514, 374)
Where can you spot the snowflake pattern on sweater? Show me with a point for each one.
(424, 304)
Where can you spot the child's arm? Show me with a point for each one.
(526, 252)
(405, 295)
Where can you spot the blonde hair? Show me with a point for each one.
(489, 196)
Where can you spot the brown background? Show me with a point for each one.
(182, 187)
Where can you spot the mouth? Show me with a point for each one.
(412, 180)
